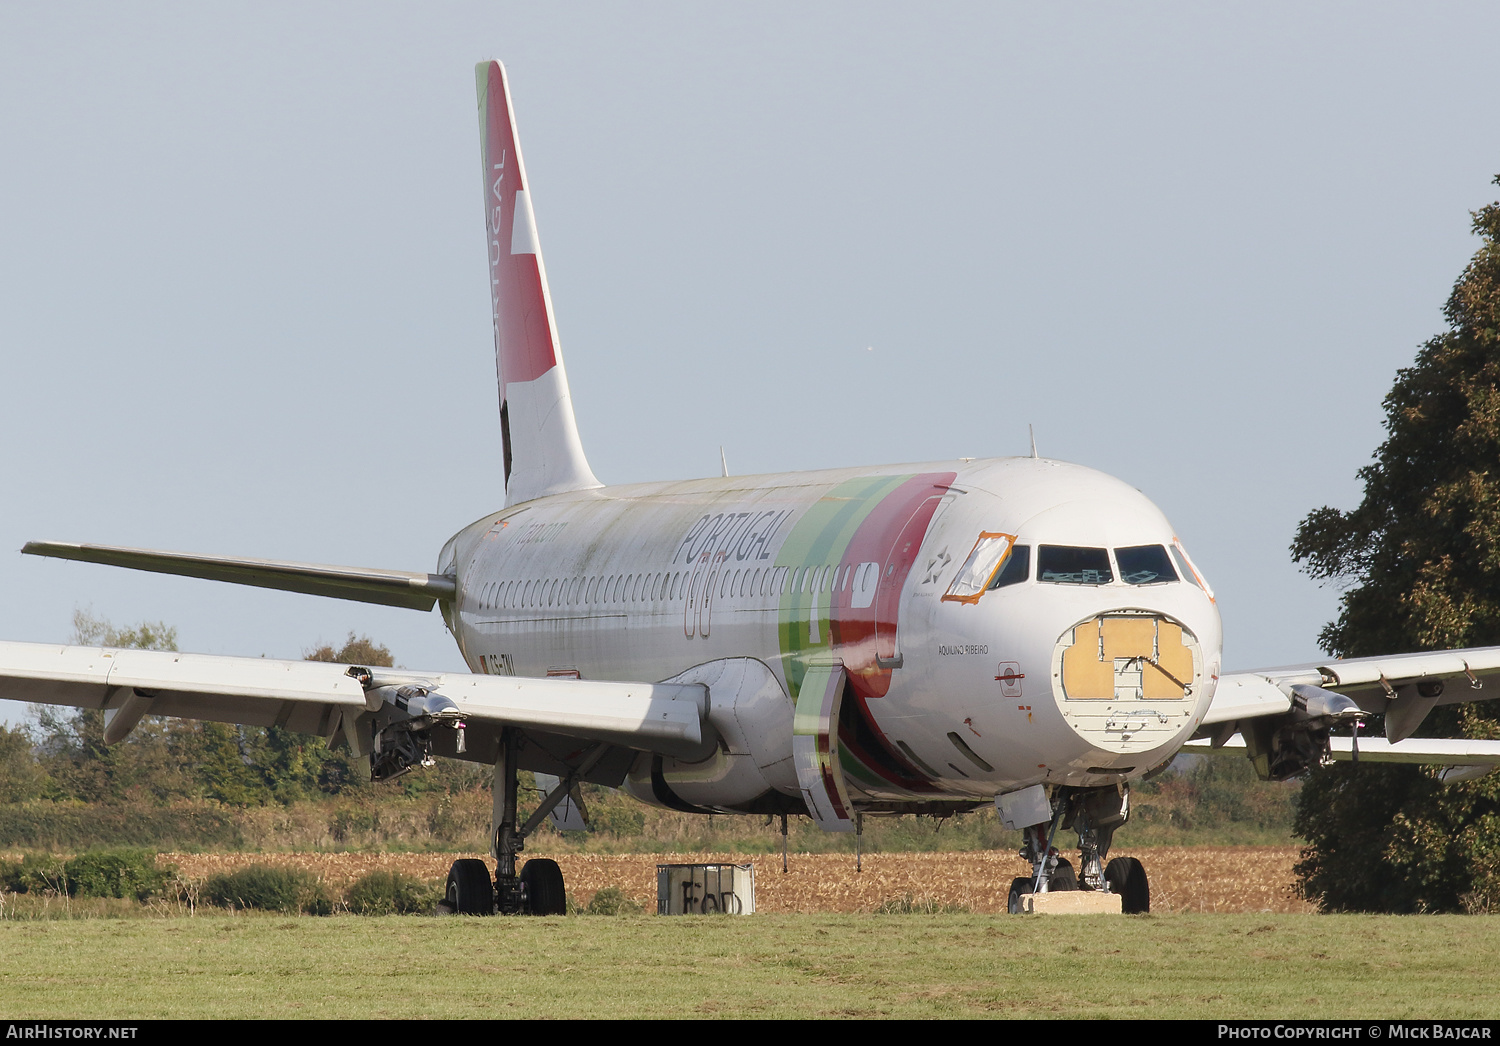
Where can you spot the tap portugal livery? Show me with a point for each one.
(922, 638)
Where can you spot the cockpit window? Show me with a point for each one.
(1145, 565)
(1068, 565)
(1187, 569)
(974, 576)
(1015, 569)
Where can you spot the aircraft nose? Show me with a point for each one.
(1128, 680)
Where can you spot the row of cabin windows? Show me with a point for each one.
(638, 588)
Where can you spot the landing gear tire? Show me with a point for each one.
(1017, 888)
(1063, 877)
(1127, 878)
(543, 880)
(471, 891)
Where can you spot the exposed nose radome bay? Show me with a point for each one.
(1128, 681)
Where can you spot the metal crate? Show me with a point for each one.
(705, 889)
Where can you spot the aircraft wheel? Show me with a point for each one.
(1127, 878)
(1063, 876)
(1017, 888)
(543, 880)
(471, 891)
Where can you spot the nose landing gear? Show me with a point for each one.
(1094, 813)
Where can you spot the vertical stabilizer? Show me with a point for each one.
(543, 454)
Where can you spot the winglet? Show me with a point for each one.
(542, 451)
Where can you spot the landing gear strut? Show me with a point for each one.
(1094, 813)
(510, 898)
(537, 887)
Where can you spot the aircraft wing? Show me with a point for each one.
(348, 701)
(1448, 676)
(1286, 714)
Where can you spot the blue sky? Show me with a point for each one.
(243, 304)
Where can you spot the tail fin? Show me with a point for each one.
(543, 454)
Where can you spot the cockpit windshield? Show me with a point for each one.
(997, 562)
(1015, 569)
(1070, 565)
(1145, 565)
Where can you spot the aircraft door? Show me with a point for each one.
(695, 602)
(893, 574)
(715, 575)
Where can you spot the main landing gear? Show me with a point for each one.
(538, 889)
(1094, 813)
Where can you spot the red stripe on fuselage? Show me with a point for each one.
(891, 535)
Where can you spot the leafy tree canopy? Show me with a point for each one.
(357, 650)
(1420, 559)
(89, 630)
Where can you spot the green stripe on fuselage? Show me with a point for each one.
(820, 539)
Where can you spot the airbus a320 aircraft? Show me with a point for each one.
(924, 638)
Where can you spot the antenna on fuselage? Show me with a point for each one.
(1032, 432)
(723, 462)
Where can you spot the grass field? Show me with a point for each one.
(1228, 938)
(1206, 966)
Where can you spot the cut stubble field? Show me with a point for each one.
(1183, 879)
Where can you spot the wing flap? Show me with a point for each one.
(393, 588)
(1430, 751)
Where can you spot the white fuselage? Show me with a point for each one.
(1084, 679)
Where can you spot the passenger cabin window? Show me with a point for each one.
(1145, 565)
(1070, 565)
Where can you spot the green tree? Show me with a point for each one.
(20, 776)
(357, 650)
(166, 758)
(76, 761)
(89, 630)
(1420, 557)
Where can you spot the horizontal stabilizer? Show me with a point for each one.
(392, 588)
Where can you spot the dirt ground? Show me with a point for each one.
(1183, 879)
